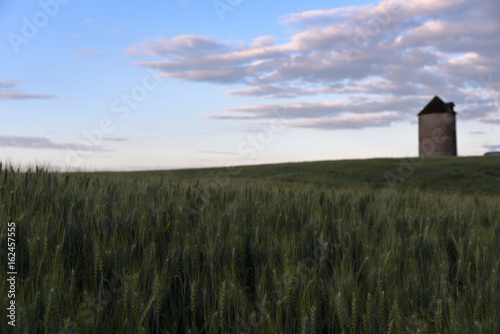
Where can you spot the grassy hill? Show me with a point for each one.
(454, 174)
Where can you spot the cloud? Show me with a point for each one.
(348, 122)
(491, 119)
(393, 56)
(7, 84)
(263, 41)
(119, 139)
(217, 152)
(301, 110)
(87, 21)
(23, 96)
(229, 116)
(90, 53)
(182, 45)
(492, 147)
(8, 91)
(399, 10)
(40, 143)
(117, 28)
(269, 91)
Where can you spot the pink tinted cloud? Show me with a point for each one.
(90, 53)
(348, 122)
(39, 143)
(491, 119)
(402, 53)
(8, 91)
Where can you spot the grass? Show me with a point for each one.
(320, 247)
(464, 174)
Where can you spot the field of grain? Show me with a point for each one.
(176, 252)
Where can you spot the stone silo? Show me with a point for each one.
(437, 134)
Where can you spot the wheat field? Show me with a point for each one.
(158, 253)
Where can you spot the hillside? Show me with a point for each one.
(462, 174)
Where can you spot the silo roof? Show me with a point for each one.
(437, 106)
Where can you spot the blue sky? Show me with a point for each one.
(170, 84)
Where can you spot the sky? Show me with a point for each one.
(129, 85)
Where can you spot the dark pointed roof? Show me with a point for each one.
(437, 106)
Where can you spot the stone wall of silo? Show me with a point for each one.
(437, 135)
